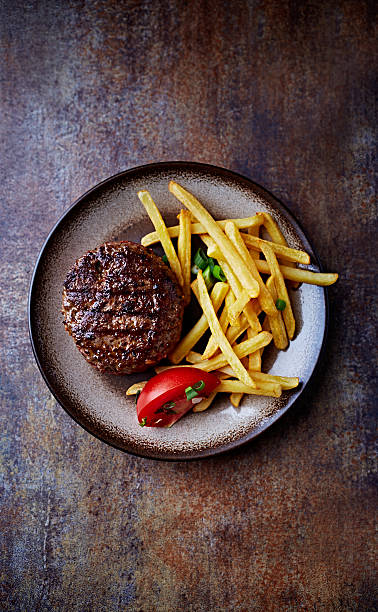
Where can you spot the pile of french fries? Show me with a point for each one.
(232, 309)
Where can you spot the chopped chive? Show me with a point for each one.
(281, 304)
(190, 393)
(211, 263)
(218, 273)
(165, 259)
(143, 422)
(208, 278)
(200, 259)
(198, 386)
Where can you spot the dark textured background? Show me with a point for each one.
(281, 91)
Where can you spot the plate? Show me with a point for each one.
(111, 211)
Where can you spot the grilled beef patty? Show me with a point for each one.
(123, 307)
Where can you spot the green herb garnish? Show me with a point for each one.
(281, 304)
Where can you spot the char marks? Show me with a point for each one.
(123, 307)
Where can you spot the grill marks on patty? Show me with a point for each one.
(123, 307)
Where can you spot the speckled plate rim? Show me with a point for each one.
(166, 166)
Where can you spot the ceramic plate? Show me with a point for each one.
(112, 211)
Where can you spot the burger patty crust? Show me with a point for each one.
(123, 307)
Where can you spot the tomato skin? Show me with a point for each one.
(169, 386)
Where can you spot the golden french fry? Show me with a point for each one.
(219, 335)
(184, 251)
(234, 282)
(238, 306)
(276, 235)
(156, 218)
(286, 382)
(241, 350)
(186, 344)
(254, 359)
(264, 298)
(234, 332)
(134, 389)
(193, 357)
(198, 228)
(282, 293)
(213, 229)
(235, 399)
(212, 345)
(249, 311)
(205, 403)
(254, 230)
(236, 386)
(275, 323)
(279, 249)
(272, 228)
(209, 400)
(300, 275)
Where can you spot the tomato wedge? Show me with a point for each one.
(171, 394)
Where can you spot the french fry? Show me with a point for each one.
(205, 403)
(235, 285)
(194, 357)
(286, 382)
(212, 345)
(160, 227)
(219, 335)
(282, 293)
(299, 275)
(254, 359)
(134, 389)
(217, 296)
(236, 386)
(238, 306)
(254, 230)
(234, 332)
(213, 229)
(198, 228)
(275, 323)
(237, 289)
(279, 249)
(184, 251)
(264, 298)
(236, 398)
(276, 235)
(241, 350)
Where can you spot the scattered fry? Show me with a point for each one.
(186, 344)
(236, 386)
(287, 312)
(219, 335)
(184, 251)
(134, 389)
(212, 345)
(156, 218)
(279, 249)
(265, 299)
(241, 350)
(213, 229)
(198, 228)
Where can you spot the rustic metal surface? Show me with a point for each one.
(283, 92)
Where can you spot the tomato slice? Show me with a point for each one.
(171, 394)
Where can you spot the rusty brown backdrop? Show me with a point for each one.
(283, 92)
